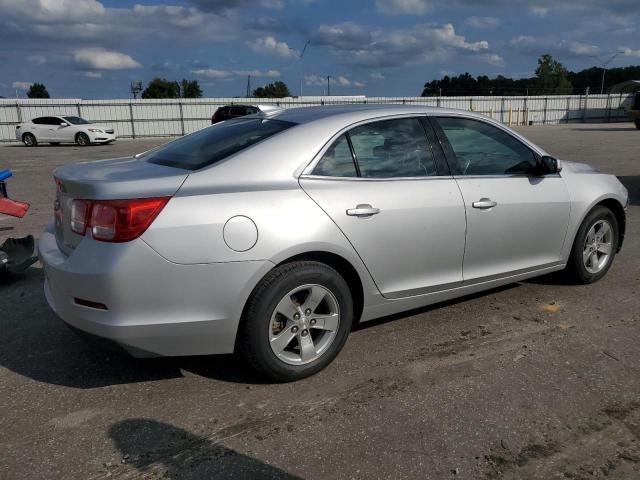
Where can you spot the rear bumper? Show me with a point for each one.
(154, 307)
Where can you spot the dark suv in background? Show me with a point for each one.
(232, 111)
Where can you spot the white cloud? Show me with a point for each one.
(271, 46)
(213, 74)
(99, 58)
(377, 76)
(53, 10)
(483, 22)
(403, 7)
(418, 45)
(359, 84)
(91, 74)
(22, 85)
(538, 11)
(492, 59)
(629, 52)
(315, 81)
(179, 16)
(258, 73)
(342, 81)
(563, 48)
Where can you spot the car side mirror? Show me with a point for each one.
(64, 124)
(550, 165)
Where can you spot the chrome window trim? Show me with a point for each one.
(369, 179)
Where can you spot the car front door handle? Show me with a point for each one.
(363, 210)
(484, 203)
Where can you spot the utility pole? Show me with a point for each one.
(605, 63)
(248, 85)
(136, 88)
(300, 57)
(328, 85)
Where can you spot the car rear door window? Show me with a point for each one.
(337, 161)
(483, 149)
(392, 148)
(210, 145)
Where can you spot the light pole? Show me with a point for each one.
(300, 57)
(605, 63)
(328, 85)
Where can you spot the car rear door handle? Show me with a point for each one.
(363, 210)
(484, 203)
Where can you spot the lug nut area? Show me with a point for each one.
(312, 321)
(294, 329)
(304, 332)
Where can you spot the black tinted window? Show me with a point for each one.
(38, 121)
(482, 149)
(392, 148)
(215, 143)
(337, 161)
(237, 111)
(77, 120)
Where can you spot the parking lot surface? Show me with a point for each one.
(534, 380)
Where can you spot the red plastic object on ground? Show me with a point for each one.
(13, 208)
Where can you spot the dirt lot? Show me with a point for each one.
(535, 380)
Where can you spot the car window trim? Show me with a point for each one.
(307, 172)
(452, 159)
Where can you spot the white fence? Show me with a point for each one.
(171, 117)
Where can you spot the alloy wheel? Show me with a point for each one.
(304, 324)
(598, 246)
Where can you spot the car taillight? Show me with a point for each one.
(80, 210)
(116, 220)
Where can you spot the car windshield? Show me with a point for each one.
(77, 120)
(210, 145)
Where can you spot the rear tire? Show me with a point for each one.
(594, 247)
(309, 335)
(82, 139)
(29, 140)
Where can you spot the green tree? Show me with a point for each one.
(190, 89)
(38, 90)
(276, 89)
(552, 77)
(162, 88)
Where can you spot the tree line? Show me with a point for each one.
(551, 78)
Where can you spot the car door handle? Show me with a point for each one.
(363, 210)
(484, 203)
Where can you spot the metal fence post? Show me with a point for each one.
(18, 112)
(608, 107)
(133, 125)
(502, 110)
(181, 117)
(568, 108)
(78, 109)
(544, 114)
(584, 107)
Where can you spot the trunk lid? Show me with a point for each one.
(119, 178)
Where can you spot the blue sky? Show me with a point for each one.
(95, 48)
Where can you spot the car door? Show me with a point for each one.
(516, 218)
(385, 187)
(62, 131)
(41, 128)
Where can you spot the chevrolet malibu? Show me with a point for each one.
(271, 235)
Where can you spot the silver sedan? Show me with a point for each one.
(271, 235)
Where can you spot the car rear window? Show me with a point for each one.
(212, 144)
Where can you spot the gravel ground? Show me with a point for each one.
(534, 380)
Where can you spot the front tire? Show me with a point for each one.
(296, 321)
(29, 139)
(594, 247)
(83, 139)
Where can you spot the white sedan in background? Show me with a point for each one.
(68, 129)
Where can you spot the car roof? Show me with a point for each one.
(357, 112)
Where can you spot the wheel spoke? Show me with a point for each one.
(316, 295)
(282, 341)
(326, 322)
(605, 229)
(585, 256)
(594, 260)
(591, 235)
(604, 248)
(307, 348)
(287, 308)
